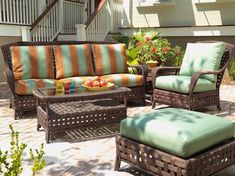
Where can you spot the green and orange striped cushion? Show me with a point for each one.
(109, 58)
(26, 86)
(128, 80)
(73, 60)
(32, 62)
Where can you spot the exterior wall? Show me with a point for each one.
(5, 40)
(180, 13)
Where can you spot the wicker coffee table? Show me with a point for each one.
(83, 108)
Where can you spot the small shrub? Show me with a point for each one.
(11, 161)
(231, 69)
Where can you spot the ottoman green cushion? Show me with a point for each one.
(180, 132)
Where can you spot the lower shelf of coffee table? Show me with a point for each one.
(78, 114)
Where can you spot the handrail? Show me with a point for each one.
(48, 28)
(18, 12)
(93, 15)
(41, 17)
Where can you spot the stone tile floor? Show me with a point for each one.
(66, 156)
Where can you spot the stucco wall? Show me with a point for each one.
(5, 40)
(181, 13)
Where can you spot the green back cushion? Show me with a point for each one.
(32, 62)
(73, 60)
(202, 57)
(177, 131)
(109, 58)
(181, 84)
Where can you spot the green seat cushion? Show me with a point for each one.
(202, 57)
(176, 131)
(181, 84)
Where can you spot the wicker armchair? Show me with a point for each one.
(192, 99)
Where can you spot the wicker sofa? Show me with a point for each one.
(32, 65)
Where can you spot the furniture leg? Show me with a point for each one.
(117, 162)
(47, 137)
(219, 107)
(38, 126)
(153, 103)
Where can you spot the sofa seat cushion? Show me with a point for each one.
(181, 84)
(127, 80)
(73, 60)
(26, 86)
(32, 62)
(177, 131)
(202, 57)
(109, 58)
(78, 80)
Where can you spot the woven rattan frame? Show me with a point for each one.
(28, 103)
(192, 100)
(157, 162)
(65, 116)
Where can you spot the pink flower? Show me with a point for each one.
(147, 39)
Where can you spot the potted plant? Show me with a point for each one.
(151, 49)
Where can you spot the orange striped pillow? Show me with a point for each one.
(73, 60)
(109, 58)
(32, 62)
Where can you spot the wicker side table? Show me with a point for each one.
(76, 114)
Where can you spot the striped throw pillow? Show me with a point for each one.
(32, 62)
(73, 60)
(109, 58)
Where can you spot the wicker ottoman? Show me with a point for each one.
(176, 142)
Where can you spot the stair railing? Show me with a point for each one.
(20, 12)
(74, 13)
(48, 25)
(99, 24)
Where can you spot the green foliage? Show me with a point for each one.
(145, 46)
(231, 69)
(11, 161)
(38, 161)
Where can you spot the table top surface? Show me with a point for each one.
(50, 93)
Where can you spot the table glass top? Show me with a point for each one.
(79, 91)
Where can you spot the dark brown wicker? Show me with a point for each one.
(157, 162)
(192, 100)
(71, 111)
(79, 114)
(27, 103)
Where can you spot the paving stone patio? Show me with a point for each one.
(66, 156)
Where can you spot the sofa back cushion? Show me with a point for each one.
(32, 62)
(202, 57)
(109, 58)
(73, 60)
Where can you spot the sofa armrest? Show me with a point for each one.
(141, 70)
(160, 71)
(10, 80)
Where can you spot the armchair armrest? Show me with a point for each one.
(141, 70)
(159, 71)
(197, 75)
(10, 80)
